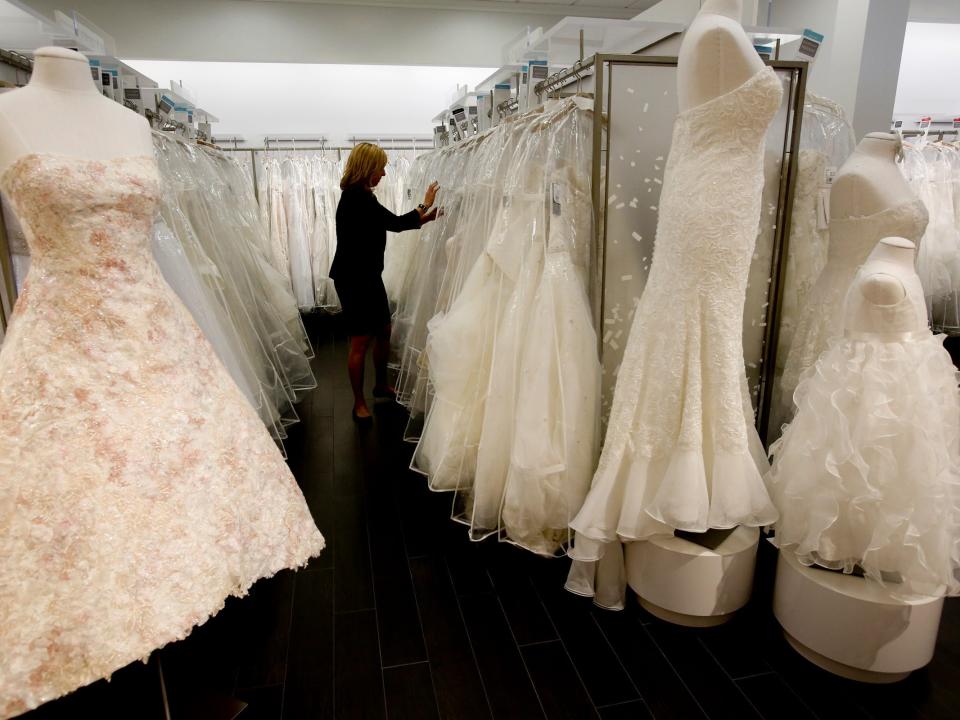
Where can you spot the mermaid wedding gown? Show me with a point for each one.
(139, 487)
(681, 450)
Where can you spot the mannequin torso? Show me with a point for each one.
(60, 112)
(886, 297)
(885, 287)
(716, 55)
(869, 181)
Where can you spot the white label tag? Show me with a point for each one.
(829, 174)
(823, 209)
(556, 193)
(810, 43)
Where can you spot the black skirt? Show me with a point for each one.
(366, 310)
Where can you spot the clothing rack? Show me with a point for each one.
(928, 132)
(575, 72)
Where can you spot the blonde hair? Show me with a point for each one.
(365, 160)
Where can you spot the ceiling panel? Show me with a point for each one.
(600, 8)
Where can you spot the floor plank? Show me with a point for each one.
(409, 691)
(309, 686)
(460, 692)
(504, 674)
(358, 683)
(562, 694)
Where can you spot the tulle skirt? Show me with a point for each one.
(868, 473)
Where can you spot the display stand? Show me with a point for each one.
(691, 584)
(851, 626)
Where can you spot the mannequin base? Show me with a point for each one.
(841, 670)
(851, 626)
(675, 618)
(687, 584)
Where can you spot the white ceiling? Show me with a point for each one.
(588, 8)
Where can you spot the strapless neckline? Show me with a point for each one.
(8, 171)
(765, 71)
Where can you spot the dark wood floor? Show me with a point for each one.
(402, 617)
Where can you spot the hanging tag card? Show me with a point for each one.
(809, 44)
(556, 196)
(764, 51)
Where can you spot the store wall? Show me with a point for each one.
(928, 82)
(240, 30)
(336, 101)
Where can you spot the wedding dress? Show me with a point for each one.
(140, 489)
(513, 427)
(868, 471)
(681, 450)
(851, 241)
(808, 242)
(938, 255)
(298, 233)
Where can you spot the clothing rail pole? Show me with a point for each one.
(781, 249)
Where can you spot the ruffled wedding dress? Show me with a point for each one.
(868, 472)
(139, 488)
(681, 450)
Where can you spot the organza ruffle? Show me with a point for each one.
(868, 473)
(640, 497)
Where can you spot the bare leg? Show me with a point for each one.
(355, 362)
(381, 354)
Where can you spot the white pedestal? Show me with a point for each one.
(686, 584)
(850, 626)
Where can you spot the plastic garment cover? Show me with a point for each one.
(933, 170)
(208, 209)
(510, 364)
(299, 193)
(827, 140)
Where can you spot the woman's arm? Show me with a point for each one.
(413, 219)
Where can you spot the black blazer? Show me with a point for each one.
(362, 224)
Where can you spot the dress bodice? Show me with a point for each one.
(853, 238)
(84, 216)
(714, 172)
(864, 319)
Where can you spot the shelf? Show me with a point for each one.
(23, 30)
(561, 43)
(501, 75)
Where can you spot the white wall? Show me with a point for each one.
(257, 99)
(929, 82)
(237, 30)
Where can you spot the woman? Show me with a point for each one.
(362, 224)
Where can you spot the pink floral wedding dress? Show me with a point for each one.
(138, 487)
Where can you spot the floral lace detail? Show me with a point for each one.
(851, 241)
(681, 450)
(140, 489)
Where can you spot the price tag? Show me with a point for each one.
(809, 44)
(764, 51)
(925, 123)
(829, 174)
(556, 193)
(956, 123)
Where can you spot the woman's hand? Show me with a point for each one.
(431, 194)
(429, 216)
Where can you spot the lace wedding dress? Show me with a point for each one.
(681, 450)
(867, 472)
(139, 487)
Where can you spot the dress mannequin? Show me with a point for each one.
(886, 288)
(869, 180)
(60, 111)
(716, 55)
